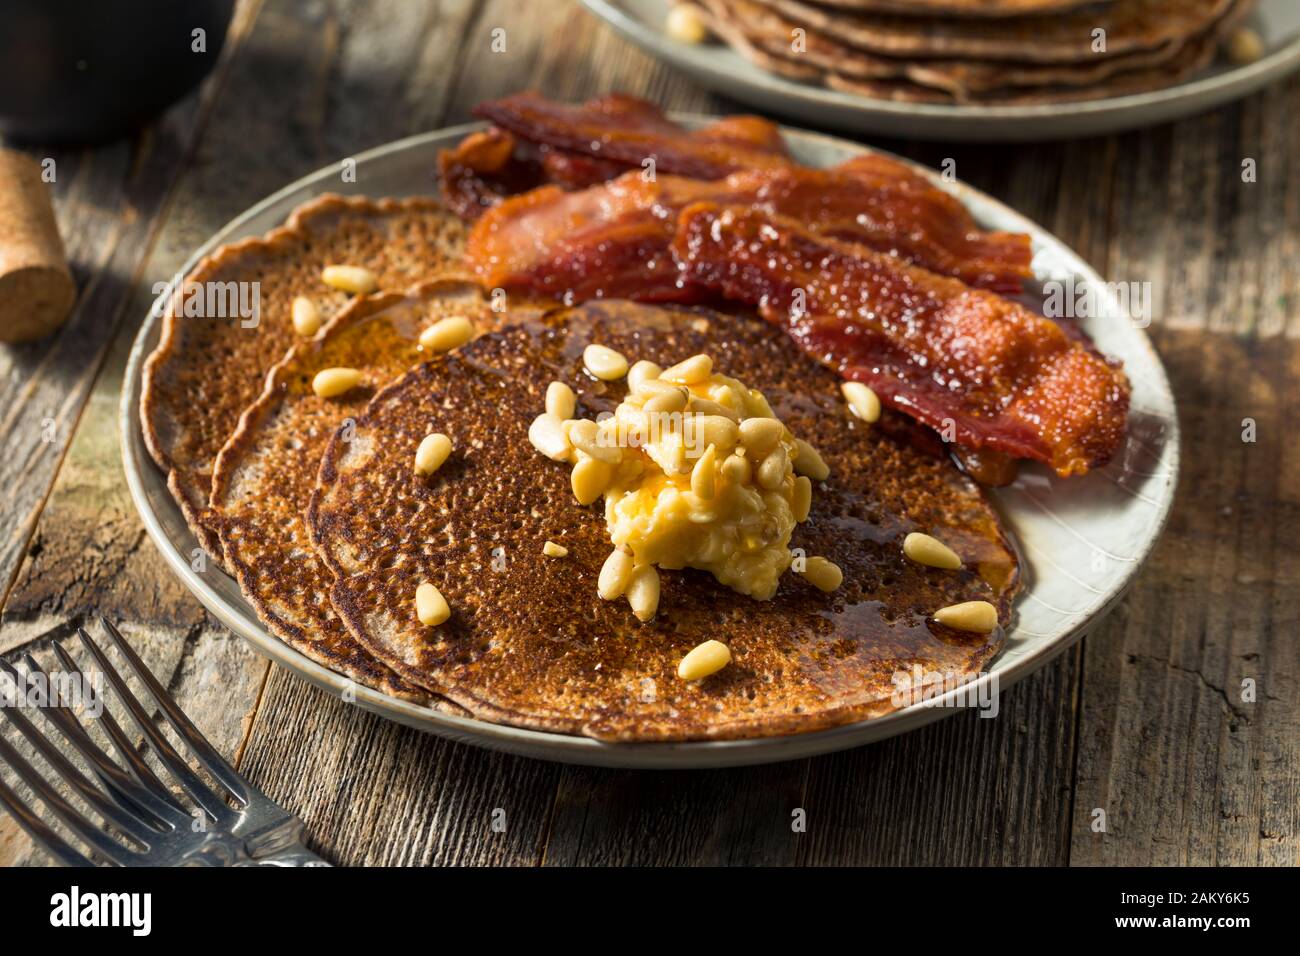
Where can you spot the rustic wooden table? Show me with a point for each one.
(1145, 719)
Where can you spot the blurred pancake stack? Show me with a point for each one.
(994, 52)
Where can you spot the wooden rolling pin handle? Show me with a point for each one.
(36, 288)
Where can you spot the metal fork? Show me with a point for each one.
(144, 822)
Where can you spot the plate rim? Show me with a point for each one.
(563, 747)
(1216, 88)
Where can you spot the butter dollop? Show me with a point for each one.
(696, 471)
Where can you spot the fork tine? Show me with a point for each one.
(204, 752)
(36, 828)
(134, 762)
(187, 778)
(168, 814)
(123, 817)
(75, 821)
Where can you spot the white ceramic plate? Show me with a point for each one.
(718, 67)
(1082, 540)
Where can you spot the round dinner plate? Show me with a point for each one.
(718, 67)
(1082, 540)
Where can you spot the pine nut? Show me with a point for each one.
(979, 617)
(923, 549)
(801, 502)
(686, 25)
(706, 406)
(643, 592)
(823, 574)
(589, 480)
(705, 430)
(560, 401)
(692, 371)
(430, 606)
(756, 401)
(350, 279)
(431, 454)
(737, 469)
(759, 436)
(709, 658)
(703, 479)
(1245, 46)
(604, 363)
(553, 550)
(447, 334)
(771, 473)
(585, 435)
(546, 434)
(672, 399)
(306, 317)
(615, 575)
(640, 373)
(862, 401)
(807, 461)
(333, 382)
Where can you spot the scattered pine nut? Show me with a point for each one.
(546, 434)
(1245, 46)
(560, 401)
(640, 373)
(801, 503)
(703, 480)
(430, 606)
(808, 461)
(333, 382)
(589, 480)
(643, 592)
(930, 551)
(615, 575)
(355, 279)
(862, 401)
(737, 469)
(447, 334)
(760, 435)
(823, 574)
(431, 454)
(553, 550)
(685, 24)
(771, 473)
(306, 317)
(709, 658)
(692, 371)
(604, 363)
(979, 617)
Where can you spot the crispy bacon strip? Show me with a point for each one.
(627, 131)
(994, 373)
(612, 240)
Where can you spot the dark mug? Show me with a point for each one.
(82, 71)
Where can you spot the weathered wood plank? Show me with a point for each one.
(1189, 772)
(88, 551)
(1186, 771)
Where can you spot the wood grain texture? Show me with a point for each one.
(1145, 719)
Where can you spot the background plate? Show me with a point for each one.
(718, 67)
(1082, 540)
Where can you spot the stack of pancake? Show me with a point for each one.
(996, 52)
(311, 501)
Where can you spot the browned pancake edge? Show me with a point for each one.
(206, 371)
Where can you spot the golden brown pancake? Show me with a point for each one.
(1056, 38)
(939, 82)
(264, 475)
(207, 370)
(529, 642)
(752, 27)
